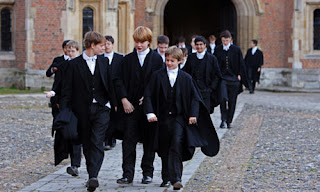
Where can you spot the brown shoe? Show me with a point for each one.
(177, 185)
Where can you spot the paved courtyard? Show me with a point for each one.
(273, 146)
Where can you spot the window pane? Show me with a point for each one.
(87, 20)
(6, 44)
(316, 30)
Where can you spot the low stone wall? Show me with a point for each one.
(37, 79)
(11, 77)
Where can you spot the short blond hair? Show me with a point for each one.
(142, 34)
(93, 37)
(73, 44)
(175, 52)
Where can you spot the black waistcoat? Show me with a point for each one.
(199, 73)
(168, 107)
(96, 87)
(226, 66)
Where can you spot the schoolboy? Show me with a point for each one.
(204, 69)
(114, 62)
(184, 59)
(55, 63)
(86, 92)
(212, 44)
(130, 81)
(173, 106)
(162, 46)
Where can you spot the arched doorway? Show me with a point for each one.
(203, 17)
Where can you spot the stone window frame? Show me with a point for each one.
(10, 7)
(311, 6)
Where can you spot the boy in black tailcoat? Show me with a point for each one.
(178, 117)
(130, 81)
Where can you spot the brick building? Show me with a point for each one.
(288, 32)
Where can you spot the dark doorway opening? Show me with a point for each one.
(202, 17)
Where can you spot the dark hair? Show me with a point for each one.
(109, 38)
(254, 41)
(64, 43)
(163, 39)
(225, 34)
(200, 38)
(181, 40)
(184, 51)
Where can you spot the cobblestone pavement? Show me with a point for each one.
(274, 146)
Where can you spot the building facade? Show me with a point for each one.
(288, 32)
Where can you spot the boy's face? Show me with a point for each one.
(109, 47)
(200, 46)
(72, 52)
(141, 46)
(181, 44)
(98, 48)
(162, 48)
(171, 62)
(226, 40)
(212, 41)
(65, 50)
(252, 44)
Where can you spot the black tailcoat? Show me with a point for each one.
(128, 81)
(56, 61)
(187, 102)
(254, 62)
(212, 75)
(76, 90)
(236, 60)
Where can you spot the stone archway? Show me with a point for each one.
(247, 19)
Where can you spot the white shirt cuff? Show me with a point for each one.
(151, 115)
(108, 105)
(53, 93)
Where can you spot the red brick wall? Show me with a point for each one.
(275, 33)
(20, 34)
(141, 17)
(310, 63)
(48, 34)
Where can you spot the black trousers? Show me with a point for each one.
(230, 90)
(93, 150)
(76, 155)
(170, 149)
(135, 126)
(251, 79)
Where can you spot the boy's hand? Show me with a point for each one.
(48, 94)
(153, 119)
(192, 120)
(239, 77)
(259, 69)
(54, 69)
(127, 106)
(141, 101)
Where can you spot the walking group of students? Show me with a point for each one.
(162, 98)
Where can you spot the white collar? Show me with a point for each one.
(193, 50)
(201, 55)
(143, 53)
(174, 71)
(66, 57)
(108, 54)
(212, 46)
(86, 57)
(226, 48)
(254, 49)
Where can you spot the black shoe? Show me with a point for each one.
(229, 125)
(177, 185)
(146, 179)
(124, 180)
(223, 124)
(166, 184)
(251, 92)
(93, 183)
(73, 170)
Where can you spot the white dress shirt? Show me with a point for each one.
(226, 48)
(193, 51)
(254, 49)
(142, 55)
(201, 55)
(172, 74)
(109, 56)
(66, 57)
(91, 61)
(212, 46)
(163, 56)
(183, 64)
